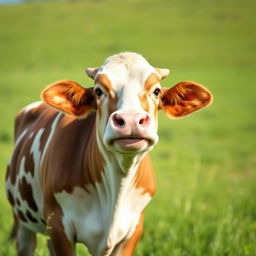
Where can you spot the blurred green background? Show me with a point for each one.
(205, 163)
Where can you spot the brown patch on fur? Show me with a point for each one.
(148, 84)
(151, 81)
(53, 214)
(26, 193)
(144, 102)
(73, 155)
(25, 119)
(15, 162)
(18, 202)
(41, 116)
(10, 197)
(103, 80)
(112, 105)
(29, 164)
(21, 216)
(145, 177)
(30, 217)
(45, 136)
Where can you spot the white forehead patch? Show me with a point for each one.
(127, 68)
(127, 73)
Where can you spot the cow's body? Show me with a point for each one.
(70, 179)
(58, 158)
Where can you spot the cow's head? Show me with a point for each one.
(127, 96)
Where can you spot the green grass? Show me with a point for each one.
(206, 163)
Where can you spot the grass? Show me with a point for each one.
(205, 164)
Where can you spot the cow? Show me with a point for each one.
(80, 170)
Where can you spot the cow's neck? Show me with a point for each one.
(124, 200)
(121, 169)
(120, 172)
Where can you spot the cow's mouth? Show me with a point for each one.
(131, 143)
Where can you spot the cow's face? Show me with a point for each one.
(127, 95)
(127, 92)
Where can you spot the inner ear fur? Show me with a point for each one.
(70, 97)
(184, 98)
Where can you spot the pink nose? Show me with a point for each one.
(128, 124)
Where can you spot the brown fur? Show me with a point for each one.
(70, 97)
(103, 80)
(10, 197)
(184, 98)
(151, 81)
(145, 176)
(26, 194)
(83, 162)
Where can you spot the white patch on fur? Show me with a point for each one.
(96, 221)
(20, 137)
(32, 106)
(34, 180)
(53, 128)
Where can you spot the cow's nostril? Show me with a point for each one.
(119, 121)
(144, 120)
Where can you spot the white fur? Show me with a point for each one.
(127, 73)
(34, 181)
(106, 215)
(32, 106)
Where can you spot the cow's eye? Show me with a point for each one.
(98, 92)
(157, 91)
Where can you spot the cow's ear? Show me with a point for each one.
(70, 97)
(162, 73)
(92, 72)
(184, 98)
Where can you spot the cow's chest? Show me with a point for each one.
(99, 221)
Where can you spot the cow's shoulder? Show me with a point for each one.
(29, 115)
(73, 155)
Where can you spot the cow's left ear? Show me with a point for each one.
(70, 97)
(184, 98)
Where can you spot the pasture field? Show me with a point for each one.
(205, 164)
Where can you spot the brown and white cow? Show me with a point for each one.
(80, 170)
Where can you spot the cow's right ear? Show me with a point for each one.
(70, 97)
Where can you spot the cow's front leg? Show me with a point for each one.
(53, 251)
(60, 244)
(127, 247)
(26, 241)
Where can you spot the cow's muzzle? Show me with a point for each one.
(130, 132)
